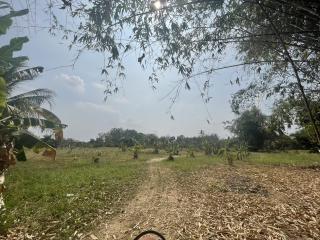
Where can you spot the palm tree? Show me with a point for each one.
(27, 107)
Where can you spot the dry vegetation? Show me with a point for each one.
(251, 202)
(214, 201)
(188, 198)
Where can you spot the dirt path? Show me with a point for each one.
(152, 208)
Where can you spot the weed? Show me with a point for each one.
(95, 159)
(170, 158)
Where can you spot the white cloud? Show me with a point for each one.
(121, 100)
(130, 123)
(74, 82)
(95, 107)
(99, 86)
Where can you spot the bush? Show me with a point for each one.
(170, 158)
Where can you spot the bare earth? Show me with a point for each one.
(154, 203)
(245, 202)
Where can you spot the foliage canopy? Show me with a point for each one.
(276, 41)
(192, 36)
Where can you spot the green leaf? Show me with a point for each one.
(6, 52)
(19, 151)
(6, 21)
(16, 43)
(26, 139)
(19, 13)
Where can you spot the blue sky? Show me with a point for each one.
(79, 101)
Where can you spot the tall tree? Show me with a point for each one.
(291, 112)
(250, 128)
(278, 41)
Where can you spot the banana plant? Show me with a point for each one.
(226, 153)
(190, 152)
(207, 147)
(20, 112)
(155, 148)
(242, 151)
(136, 149)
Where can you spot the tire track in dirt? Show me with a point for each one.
(155, 206)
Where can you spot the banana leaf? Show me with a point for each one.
(26, 139)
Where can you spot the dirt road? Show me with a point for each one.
(155, 203)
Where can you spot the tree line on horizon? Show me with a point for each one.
(251, 128)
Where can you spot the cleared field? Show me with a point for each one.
(244, 202)
(188, 198)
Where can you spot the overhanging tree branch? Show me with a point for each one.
(171, 6)
(211, 70)
(296, 73)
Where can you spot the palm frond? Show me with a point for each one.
(49, 116)
(25, 102)
(46, 114)
(38, 122)
(15, 77)
(44, 124)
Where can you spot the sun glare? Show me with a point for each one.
(157, 4)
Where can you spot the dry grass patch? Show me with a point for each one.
(290, 210)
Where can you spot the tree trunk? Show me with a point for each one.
(1, 190)
(296, 73)
(7, 158)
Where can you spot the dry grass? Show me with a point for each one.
(251, 202)
(214, 201)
